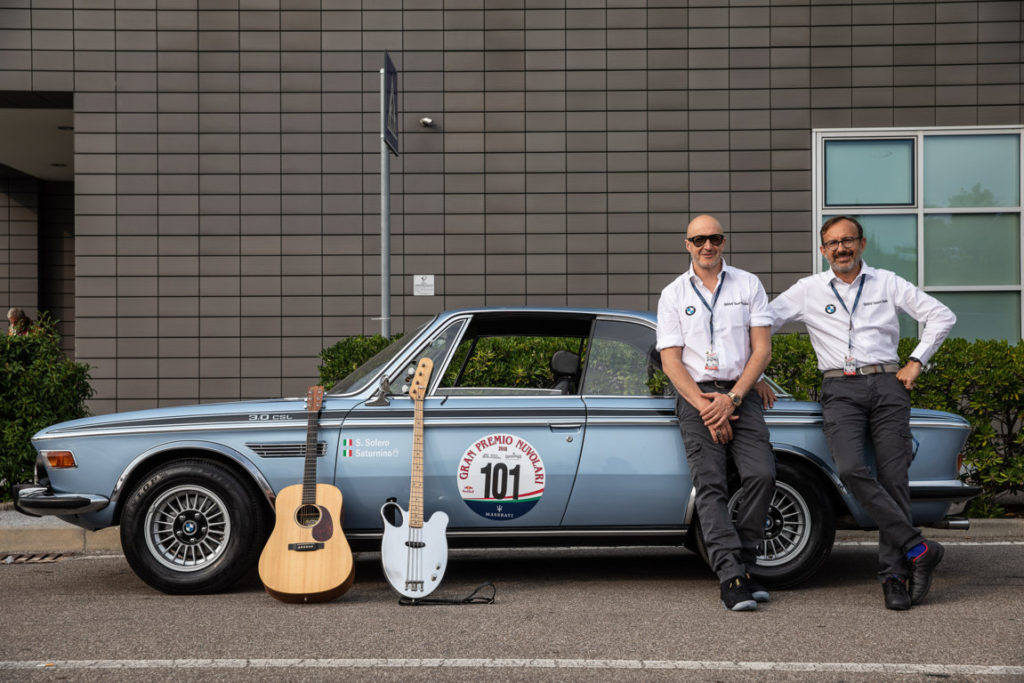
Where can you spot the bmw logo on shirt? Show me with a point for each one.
(830, 309)
(690, 310)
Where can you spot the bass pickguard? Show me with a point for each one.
(414, 559)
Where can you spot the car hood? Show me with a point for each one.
(237, 413)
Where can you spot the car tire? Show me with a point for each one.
(193, 526)
(799, 531)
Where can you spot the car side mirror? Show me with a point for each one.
(380, 399)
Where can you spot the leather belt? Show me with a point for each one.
(717, 383)
(865, 370)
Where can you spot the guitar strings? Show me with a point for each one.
(414, 561)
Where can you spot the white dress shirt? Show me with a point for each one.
(876, 328)
(684, 321)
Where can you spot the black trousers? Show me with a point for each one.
(876, 407)
(732, 548)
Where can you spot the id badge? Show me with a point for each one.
(850, 366)
(711, 360)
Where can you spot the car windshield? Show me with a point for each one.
(358, 377)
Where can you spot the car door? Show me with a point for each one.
(632, 470)
(494, 457)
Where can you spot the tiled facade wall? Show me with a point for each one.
(227, 155)
(19, 230)
(57, 258)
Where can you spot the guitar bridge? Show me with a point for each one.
(413, 585)
(305, 547)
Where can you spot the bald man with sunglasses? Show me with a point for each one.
(714, 336)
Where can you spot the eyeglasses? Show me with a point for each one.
(847, 243)
(699, 240)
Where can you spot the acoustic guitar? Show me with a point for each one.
(307, 558)
(415, 553)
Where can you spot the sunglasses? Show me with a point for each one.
(699, 240)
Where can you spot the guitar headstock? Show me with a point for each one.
(418, 385)
(315, 398)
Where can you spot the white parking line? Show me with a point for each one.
(611, 664)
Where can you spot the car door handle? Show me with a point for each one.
(565, 426)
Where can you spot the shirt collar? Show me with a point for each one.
(693, 277)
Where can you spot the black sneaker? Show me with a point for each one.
(736, 595)
(921, 569)
(759, 592)
(895, 589)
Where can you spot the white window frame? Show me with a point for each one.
(820, 135)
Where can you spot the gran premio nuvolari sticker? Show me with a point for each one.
(501, 476)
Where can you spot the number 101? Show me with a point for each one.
(496, 480)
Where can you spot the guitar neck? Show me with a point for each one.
(416, 486)
(312, 447)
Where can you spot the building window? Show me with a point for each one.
(941, 207)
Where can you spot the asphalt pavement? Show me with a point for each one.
(23, 534)
(561, 614)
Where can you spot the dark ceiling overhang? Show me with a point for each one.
(38, 134)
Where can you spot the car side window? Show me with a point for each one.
(624, 362)
(514, 365)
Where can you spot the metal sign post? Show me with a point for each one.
(388, 139)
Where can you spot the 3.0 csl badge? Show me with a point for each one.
(501, 476)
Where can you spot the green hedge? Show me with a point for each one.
(982, 380)
(339, 360)
(39, 386)
(512, 362)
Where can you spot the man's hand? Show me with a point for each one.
(723, 434)
(909, 373)
(718, 411)
(763, 390)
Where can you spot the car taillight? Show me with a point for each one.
(60, 460)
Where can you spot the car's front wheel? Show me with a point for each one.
(192, 526)
(799, 530)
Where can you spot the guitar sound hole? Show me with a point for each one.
(307, 515)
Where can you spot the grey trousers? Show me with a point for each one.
(875, 406)
(732, 548)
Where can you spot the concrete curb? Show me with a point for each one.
(23, 534)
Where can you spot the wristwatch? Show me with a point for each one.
(735, 398)
(916, 360)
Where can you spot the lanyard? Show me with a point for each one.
(711, 308)
(849, 312)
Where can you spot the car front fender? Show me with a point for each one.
(166, 451)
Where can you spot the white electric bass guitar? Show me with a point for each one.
(415, 553)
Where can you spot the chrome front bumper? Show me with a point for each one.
(38, 501)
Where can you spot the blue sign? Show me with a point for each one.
(390, 104)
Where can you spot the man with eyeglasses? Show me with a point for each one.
(715, 341)
(851, 313)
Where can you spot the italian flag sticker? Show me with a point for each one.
(346, 452)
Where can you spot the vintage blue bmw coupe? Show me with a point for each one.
(578, 444)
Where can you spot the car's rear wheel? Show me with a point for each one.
(192, 526)
(799, 530)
